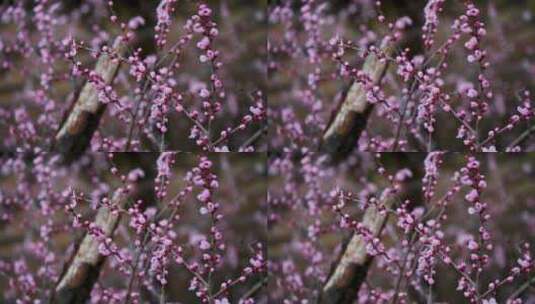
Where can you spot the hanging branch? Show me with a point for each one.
(83, 118)
(344, 130)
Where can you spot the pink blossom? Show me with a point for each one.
(204, 43)
(471, 44)
(472, 93)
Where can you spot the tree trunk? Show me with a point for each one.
(350, 272)
(344, 130)
(82, 120)
(82, 271)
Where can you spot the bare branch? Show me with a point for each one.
(517, 293)
(520, 139)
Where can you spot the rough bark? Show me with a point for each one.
(76, 130)
(343, 132)
(82, 271)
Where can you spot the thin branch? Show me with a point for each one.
(404, 106)
(257, 287)
(258, 134)
(522, 289)
(525, 135)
